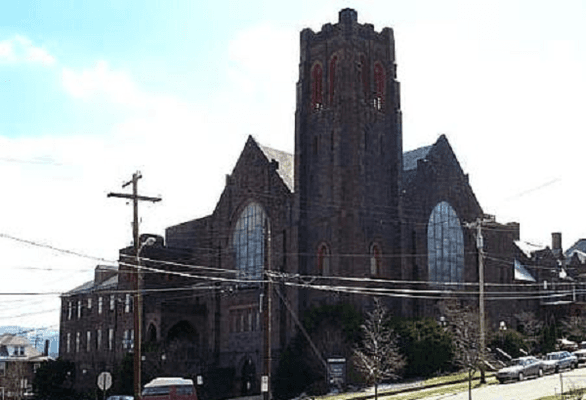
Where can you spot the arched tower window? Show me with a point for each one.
(445, 245)
(332, 76)
(316, 87)
(375, 260)
(249, 242)
(323, 260)
(379, 85)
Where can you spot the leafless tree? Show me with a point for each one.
(531, 327)
(464, 325)
(574, 327)
(378, 357)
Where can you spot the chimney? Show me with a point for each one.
(556, 243)
(46, 352)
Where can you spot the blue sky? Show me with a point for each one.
(91, 91)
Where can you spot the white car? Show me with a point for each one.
(581, 353)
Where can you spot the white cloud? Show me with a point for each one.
(101, 80)
(20, 49)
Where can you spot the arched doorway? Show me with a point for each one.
(248, 377)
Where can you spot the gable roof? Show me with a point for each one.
(90, 286)
(410, 158)
(286, 164)
(579, 246)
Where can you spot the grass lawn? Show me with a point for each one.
(449, 384)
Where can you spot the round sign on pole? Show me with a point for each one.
(105, 380)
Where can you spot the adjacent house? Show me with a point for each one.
(19, 360)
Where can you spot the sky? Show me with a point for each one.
(93, 91)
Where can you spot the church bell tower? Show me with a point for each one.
(348, 151)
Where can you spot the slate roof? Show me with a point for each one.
(8, 339)
(286, 162)
(579, 246)
(90, 286)
(410, 158)
(522, 274)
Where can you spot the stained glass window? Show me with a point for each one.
(445, 245)
(249, 242)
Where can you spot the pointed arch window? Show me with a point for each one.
(324, 260)
(445, 245)
(375, 260)
(316, 87)
(249, 242)
(379, 85)
(332, 76)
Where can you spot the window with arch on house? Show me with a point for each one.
(249, 242)
(324, 260)
(379, 85)
(375, 260)
(445, 245)
(332, 76)
(316, 87)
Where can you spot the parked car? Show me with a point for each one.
(581, 353)
(120, 397)
(560, 360)
(169, 389)
(520, 369)
(567, 345)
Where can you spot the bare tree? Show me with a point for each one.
(531, 327)
(574, 327)
(464, 324)
(378, 357)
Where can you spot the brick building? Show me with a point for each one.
(348, 212)
(19, 360)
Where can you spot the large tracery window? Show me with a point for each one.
(445, 245)
(249, 242)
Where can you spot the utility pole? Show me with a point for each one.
(135, 197)
(480, 247)
(266, 379)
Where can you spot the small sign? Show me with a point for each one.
(105, 380)
(264, 386)
(199, 380)
(337, 372)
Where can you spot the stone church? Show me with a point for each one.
(348, 216)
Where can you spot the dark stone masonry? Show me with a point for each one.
(349, 213)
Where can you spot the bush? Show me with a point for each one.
(426, 345)
(511, 342)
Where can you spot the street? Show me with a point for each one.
(530, 389)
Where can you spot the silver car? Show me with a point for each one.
(581, 353)
(560, 360)
(520, 368)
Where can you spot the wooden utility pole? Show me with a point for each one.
(135, 197)
(266, 387)
(480, 247)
